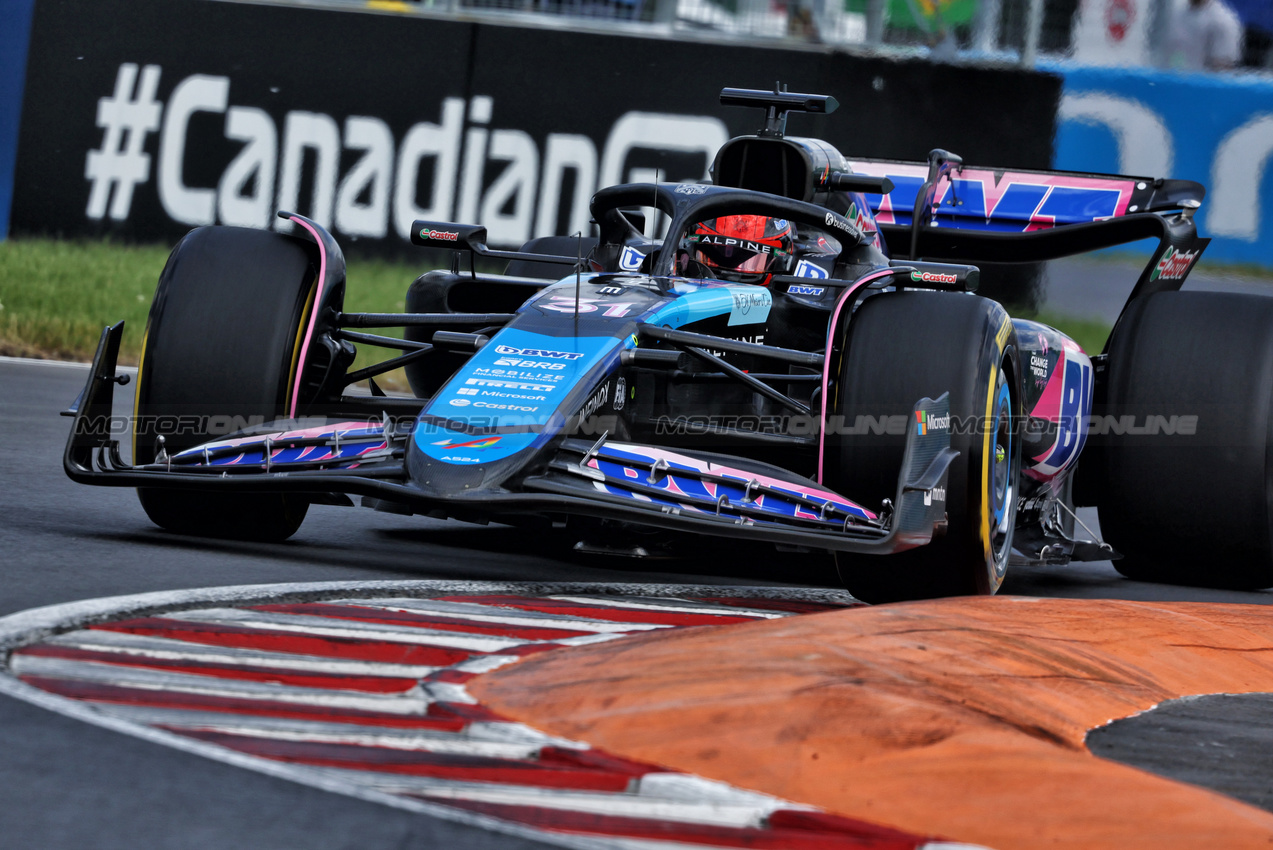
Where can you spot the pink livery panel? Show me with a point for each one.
(1058, 399)
(1008, 201)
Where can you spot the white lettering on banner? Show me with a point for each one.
(565, 152)
(193, 94)
(435, 172)
(1145, 144)
(474, 159)
(440, 142)
(1237, 172)
(655, 131)
(254, 166)
(316, 132)
(121, 162)
(515, 186)
(371, 174)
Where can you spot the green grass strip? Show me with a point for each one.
(56, 296)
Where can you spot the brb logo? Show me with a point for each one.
(355, 175)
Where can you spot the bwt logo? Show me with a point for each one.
(380, 193)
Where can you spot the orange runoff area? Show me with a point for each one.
(963, 718)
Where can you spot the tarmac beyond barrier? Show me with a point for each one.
(961, 717)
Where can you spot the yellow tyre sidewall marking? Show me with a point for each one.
(296, 346)
(141, 364)
(1001, 339)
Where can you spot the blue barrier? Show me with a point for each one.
(15, 35)
(1216, 129)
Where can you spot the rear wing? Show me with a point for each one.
(944, 210)
(1004, 201)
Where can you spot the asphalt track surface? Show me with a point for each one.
(64, 784)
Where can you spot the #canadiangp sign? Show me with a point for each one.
(224, 113)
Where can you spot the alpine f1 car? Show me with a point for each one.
(793, 354)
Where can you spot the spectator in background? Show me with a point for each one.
(1206, 35)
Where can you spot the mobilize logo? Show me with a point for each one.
(357, 175)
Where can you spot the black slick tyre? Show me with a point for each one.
(220, 352)
(1184, 461)
(901, 347)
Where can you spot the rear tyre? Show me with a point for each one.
(902, 347)
(221, 346)
(1190, 507)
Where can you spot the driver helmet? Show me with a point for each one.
(743, 248)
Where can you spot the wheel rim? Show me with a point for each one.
(1002, 478)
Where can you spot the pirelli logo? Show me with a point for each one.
(1001, 338)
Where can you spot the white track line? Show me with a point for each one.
(326, 627)
(487, 613)
(414, 701)
(638, 604)
(136, 648)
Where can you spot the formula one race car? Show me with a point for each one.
(741, 359)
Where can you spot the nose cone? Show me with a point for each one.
(512, 397)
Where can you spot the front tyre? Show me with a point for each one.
(221, 349)
(899, 348)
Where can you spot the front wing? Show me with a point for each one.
(638, 484)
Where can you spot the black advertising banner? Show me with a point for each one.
(215, 112)
(147, 117)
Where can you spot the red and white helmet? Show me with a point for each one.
(743, 248)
